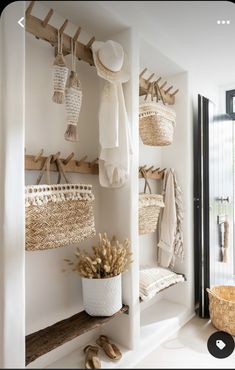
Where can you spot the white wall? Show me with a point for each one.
(12, 330)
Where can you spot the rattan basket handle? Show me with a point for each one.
(146, 183)
(45, 169)
(61, 171)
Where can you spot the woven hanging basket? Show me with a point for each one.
(149, 209)
(58, 215)
(222, 308)
(156, 124)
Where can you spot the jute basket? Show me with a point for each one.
(156, 124)
(149, 209)
(58, 215)
(222, 307)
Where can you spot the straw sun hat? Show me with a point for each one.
(110, 61)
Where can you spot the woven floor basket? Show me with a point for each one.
(222, 308)
(156, 124)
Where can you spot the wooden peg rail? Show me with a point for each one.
(152, 174)
(164, 94)
(36, 162)
(41, 29)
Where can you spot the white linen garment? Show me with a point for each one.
(115, 140)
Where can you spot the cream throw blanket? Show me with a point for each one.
(170, 243)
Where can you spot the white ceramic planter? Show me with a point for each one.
(102, 297)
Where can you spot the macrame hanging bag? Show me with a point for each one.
(149, 208)
(73, 100)
(57, 215)
(156, 123)
(60, 73)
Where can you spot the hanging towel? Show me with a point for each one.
(178, 244)
(168, 222)
(108, 117)
(116, 147)
(170, 243)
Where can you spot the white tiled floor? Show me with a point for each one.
(187, 349)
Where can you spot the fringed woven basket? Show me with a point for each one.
(58, 215)
(149, 209)
(222, 307)
(156, 124)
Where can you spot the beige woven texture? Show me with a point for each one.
(156, 124)
(149, 210)
(222, 308)
(58, 224)
(156, 132)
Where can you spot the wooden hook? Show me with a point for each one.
(30, 8)
(156, 91)
(68, 159)
(148, 89)
(150, 77)
(164, 169)
(159, 90)
(36, 158)
(62, 28)
(163, 85)
(158, 80)
(143, 72)
(156, 169)
(149, 169)
(55, 157)
(91, 164)
(78, 163)
(175, 92)
(90, 42)
(169, 88)
(47, 18)
(75, 37)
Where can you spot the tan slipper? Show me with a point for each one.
(111, 350)
(92, 360)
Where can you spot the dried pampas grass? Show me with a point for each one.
(109, 259)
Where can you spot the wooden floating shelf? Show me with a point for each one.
(143, 89)
(45, 340)
(72, 166)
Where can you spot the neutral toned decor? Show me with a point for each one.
(222, 307)
(41, 29)
(102, 297)
(51, 337)
(155, 279)
(156, 124)
(160, 91)
(101, 275)
(92, 360)
(81, 165)
(60, 73)
(73, 100)
(57, 215)
(149, 208)
(110, 349)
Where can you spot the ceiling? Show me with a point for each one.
(184, 31)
